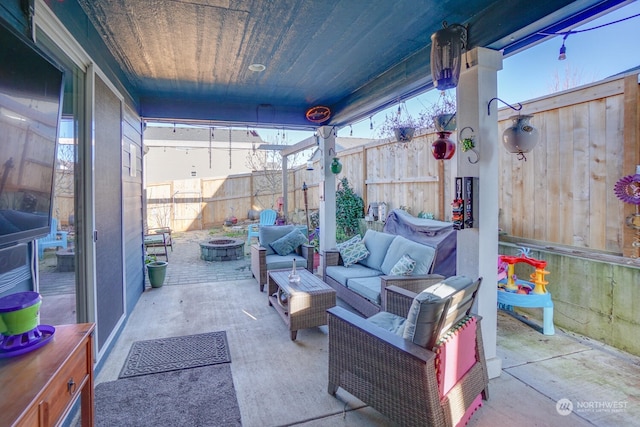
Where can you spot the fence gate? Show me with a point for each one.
(187, 210)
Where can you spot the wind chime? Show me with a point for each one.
(229, 148)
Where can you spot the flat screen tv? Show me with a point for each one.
(31, 90)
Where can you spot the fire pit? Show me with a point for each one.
(222, 250)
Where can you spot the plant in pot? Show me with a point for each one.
(157, 270)
(441, 115)
(400, 125)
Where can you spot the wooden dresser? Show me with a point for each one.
(39, 388)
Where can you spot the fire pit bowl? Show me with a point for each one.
(222, 249)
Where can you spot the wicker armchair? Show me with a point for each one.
(263, 259)
(408, 383)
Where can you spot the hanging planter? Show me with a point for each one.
(404, 134)
(445, 122)
(521, 137)
(336, 166)
(443, 148)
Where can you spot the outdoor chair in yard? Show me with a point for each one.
(157, 240)
(420, 362)
(267, 217)
(55, 239)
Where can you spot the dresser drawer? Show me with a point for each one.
(65, 387)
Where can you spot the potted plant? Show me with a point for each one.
(400, 125)
(157, 270)
(441, 115)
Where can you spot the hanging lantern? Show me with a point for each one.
(521, 137)
(443, 148)
(446, 47)
(336, 166)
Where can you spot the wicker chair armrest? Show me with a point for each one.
(415, 284)
(306, 250)
(331, 257)
(259, 249)
(341, 321)
(397, 300)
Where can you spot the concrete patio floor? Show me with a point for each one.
(280, 382)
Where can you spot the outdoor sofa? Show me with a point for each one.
(361, 269)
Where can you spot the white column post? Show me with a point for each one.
(477, 250)
(327, 190)
(285, 187)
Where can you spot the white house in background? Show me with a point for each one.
(185, 153)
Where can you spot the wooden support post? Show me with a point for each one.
(631, 158)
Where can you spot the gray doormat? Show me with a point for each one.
(171, 354)
(202, 396)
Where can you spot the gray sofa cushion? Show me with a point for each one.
(423, 318)
(388, 321)
(377, 244)
(341, 273)
(422, 254)
(426, 309)
(268, 234)
(449, 286)
(276, 262)
(368, 287)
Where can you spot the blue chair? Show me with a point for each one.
(267, 217)
(54, 239)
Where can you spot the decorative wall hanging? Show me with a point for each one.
(336, 166)
(521, 137)
(443, 148)
(318, 114)
(447, 45)
(627, 189)
(468, 144)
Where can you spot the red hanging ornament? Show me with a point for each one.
(443, 148)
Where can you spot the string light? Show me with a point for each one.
(563, 50)
(351, 130)
(370, 123)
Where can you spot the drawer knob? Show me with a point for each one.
(71, 386)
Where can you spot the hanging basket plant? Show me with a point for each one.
(400, 125)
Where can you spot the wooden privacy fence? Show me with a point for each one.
(562, 193)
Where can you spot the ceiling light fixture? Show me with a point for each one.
(258, 68)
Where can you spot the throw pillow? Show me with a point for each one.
(354, 253)
(404, 266)
(289, 242)
(355, 239)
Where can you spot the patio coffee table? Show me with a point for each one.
(306, 302)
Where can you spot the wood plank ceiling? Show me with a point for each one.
(189, 59)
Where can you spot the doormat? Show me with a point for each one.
(203, 396)
(171, 354)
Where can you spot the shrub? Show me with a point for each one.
(349, 209)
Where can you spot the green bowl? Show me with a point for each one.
(19, 312)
